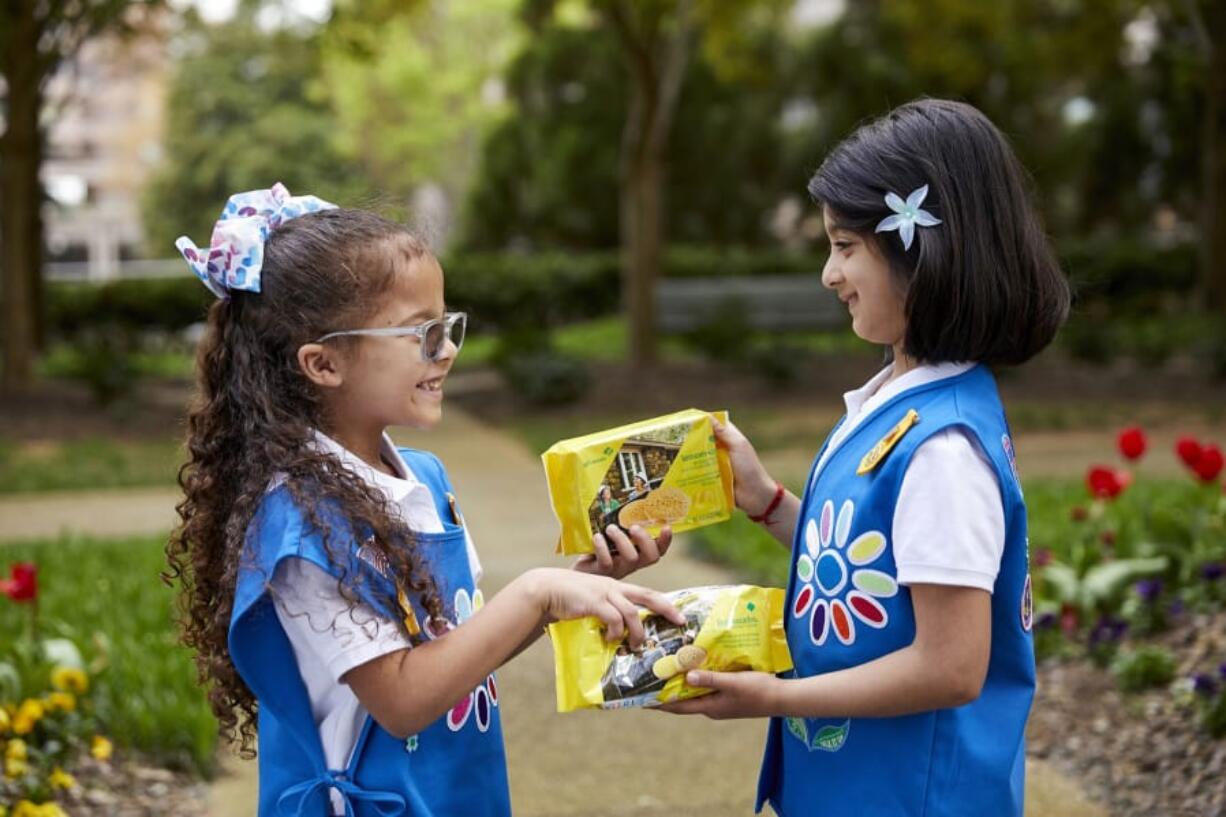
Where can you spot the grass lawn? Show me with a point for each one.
(86, 464)
(105, 595)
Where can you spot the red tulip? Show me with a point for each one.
(1189, 450)
(1068, 620)
(1132, 442)
(1107, 537)
(22, 584)
(1210, 463)
(1042, 557)
(1106, 483)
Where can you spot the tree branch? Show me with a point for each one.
(676, 60)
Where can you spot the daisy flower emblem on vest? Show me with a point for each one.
(836, 584)
(479, 703)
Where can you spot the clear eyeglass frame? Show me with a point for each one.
(452, 326)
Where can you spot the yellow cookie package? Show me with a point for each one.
(666, 470)
(728, 628)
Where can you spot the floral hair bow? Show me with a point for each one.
(236, 250)
(907, 214)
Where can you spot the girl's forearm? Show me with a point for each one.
(901, 683)
(413, 688)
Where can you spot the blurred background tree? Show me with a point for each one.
(36, 38)
(247, 107)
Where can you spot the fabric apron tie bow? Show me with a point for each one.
(292, 801)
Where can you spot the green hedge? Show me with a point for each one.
(1112, 278)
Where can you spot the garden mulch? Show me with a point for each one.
(1140, 754)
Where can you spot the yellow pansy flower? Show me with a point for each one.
(28, 715)
(69, 679)
(15, 750)
(101, 748)
(6, 723)
(60, 779)
(15, 767)
(27, 809)
(60, 702)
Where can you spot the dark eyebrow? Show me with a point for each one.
(420, 316)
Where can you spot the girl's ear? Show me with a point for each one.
(322, 365)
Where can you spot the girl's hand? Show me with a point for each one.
(634, 552)
(566, 594)
(736, 695)
(754, 488)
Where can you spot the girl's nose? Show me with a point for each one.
(448, 353)
(831, 276)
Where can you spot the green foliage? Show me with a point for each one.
(549, 172)
(543, 376)
(754, 555)
(106, 597)
(410, 86)
(245, 110)
(1100, 588)
(91, 463)
(1144, 668)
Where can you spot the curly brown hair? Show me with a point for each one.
(253, 419)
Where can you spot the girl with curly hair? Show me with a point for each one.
(328, 584)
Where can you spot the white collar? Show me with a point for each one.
(867, 398)
(396, 487)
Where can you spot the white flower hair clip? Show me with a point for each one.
(906, 215)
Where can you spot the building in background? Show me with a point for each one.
(104, 139)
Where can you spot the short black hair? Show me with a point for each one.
(984, 285)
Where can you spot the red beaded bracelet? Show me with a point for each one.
(774, 503)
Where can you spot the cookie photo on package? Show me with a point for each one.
(663, 471)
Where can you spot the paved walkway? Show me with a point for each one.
(584, 764)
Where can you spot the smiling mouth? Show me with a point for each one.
(432, 385)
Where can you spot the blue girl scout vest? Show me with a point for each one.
(456, 766)
(846, 608)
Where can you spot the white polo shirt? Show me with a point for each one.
(949, 523)
(329, 638)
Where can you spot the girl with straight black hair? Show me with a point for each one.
(910, 607)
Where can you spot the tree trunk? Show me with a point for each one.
(1213, 240)
(20, 217)
(641, 191)
(656, 63)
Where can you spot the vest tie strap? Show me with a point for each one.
(294, 799)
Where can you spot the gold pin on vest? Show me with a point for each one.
(878, 452)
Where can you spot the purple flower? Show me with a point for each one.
(1212, 571)
(1176, 607)
(1107, 629)
(1046, 621)
(1221, 670)
(1204, 684)
(1148, 590)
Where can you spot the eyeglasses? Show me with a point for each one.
(432, 334)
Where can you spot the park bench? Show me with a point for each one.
(769, 302)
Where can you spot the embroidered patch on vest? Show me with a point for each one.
(834, 586)
(1007, 444)
(879, 451)
(1027, 605)
(828, 738)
